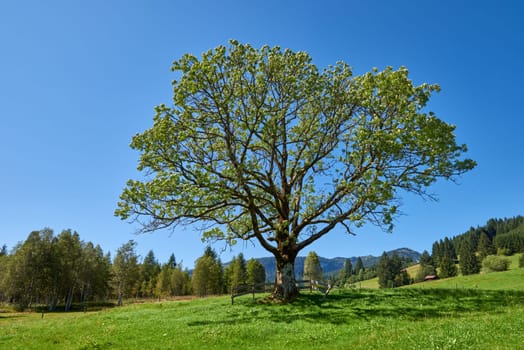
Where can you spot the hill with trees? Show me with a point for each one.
(332, 266)
(502, 237)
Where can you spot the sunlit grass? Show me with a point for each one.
(358, 319)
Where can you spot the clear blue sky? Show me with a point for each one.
(79, 78)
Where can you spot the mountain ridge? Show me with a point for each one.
(333, 265)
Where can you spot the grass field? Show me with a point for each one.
(359, 319)
(483, 311)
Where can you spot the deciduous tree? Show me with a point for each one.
(255, 272)
(312, 268)
(125, 270)
(262, 145)
(207, 276)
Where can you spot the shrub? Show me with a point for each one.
(504, 251)
(521, 260)
(495, 263)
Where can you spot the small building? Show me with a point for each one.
(431, 278)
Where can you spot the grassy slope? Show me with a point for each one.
(513, 279)
(359, 319)
(509, 280)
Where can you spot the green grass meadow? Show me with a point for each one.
(483, 311)
(358, 319)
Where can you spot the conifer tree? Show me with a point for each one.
(427, 266)
(359, 266)
(346, 272)
(447, 267)
(385, 272)
(485, 246)
(469, 263)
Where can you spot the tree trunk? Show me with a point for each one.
(285, 283)
(69, 299)
(120, 294)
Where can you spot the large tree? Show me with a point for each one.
(262, 145)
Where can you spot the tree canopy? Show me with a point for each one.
(260, 144)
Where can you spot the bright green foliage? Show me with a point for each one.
(47, 270)
(95, 273)
(236, 274)
(265, 146)
(149, 271)
(4, 263)
(172, 280)
(125, 271)
(495, 263)
(255, 272)
(312, 268)
(207, 276)
(521, 260)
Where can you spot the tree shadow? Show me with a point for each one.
(345, 307)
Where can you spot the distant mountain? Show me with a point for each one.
(331, 266)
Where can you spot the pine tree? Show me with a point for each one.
(469, 263)
(447, 267)
(427, 267)
(359, 266)
(3, 251)
(385, 272)
(436, 252)
(346, 272)
(485, 246)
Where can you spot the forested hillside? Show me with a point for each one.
(480, 247)
(331, 266)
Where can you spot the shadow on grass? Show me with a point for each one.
(345, 307)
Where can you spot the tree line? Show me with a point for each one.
(482, 248)
(63, 271)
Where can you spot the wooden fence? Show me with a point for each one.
(310, 285)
